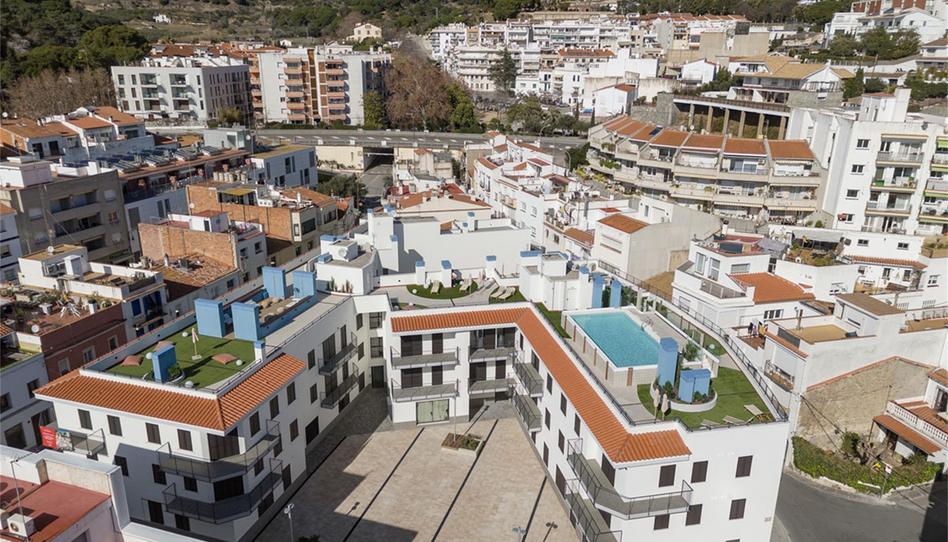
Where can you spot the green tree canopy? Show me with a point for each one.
(854, 86)
(843, 46)
(503, 72)
(373, 106)
(111, 45)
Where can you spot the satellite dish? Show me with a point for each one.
(34, 328)
(148, 355)
(189, 384)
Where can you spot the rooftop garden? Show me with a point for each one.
(515, 297)
(554, 317)
(809, 256)
(202, 370)
(450, 292)
(733, 392)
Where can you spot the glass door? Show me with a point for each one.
(432, 411)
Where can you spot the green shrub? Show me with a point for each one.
(819, 463)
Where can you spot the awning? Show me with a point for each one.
(941, 143)
(907, 434)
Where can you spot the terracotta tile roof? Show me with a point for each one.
(538, 162)
(623, 223)
(6, 210)
(625, 87)
(501, 148)
(532, 147)
(921, 409)
(5, 330)
(739, 145)
(487, 163)
(889, 261)
(790, 150)
(120, 118)
(167, 403)
(869, 304)
(586, 53)
(940, 42)
(939, 375)
(616, 124)
(422, 152)
(89, 123)
(644, 133)
(910, 435)
(670, 138)
(578, 235)
(618, 444)
(769, 288)
(29, 128)
(704, 142)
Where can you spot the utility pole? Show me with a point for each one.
(288, 510)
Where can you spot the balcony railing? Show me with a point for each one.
(484, 352)
(228, 509)
(489, 386)
(940, 158)
(73, 203)
(778, 376)
(908, 157)
(878, 207)
(605, 497)
(402, 394)
(331, 398)
(75, 441)
(937, 185)
(530, 378)
(448, 357)
(913, 420)
(590, 524)
(528, 410)
(329, 365)
(719, 291)
(225, 467)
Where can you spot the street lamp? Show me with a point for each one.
(288, 510)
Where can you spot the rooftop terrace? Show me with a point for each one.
(204, 371)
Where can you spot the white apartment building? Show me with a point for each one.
(443, 39)
(764, 180)
(885, 166)
(286, 166)
(22, 371)
(10, 249)
(471, 64)
(192, 88)
(622, 479)
(926, 18)
(211, 457)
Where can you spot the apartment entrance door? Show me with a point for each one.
(432, 411)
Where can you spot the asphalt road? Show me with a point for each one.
(393, 138)
(807, 512)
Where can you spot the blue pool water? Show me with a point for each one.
(620, 338)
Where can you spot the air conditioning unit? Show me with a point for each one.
(21, 525)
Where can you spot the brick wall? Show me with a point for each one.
(276, 221)
(158, 241)
(852, 401)
(69, 342)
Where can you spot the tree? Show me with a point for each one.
(874, 85)
(528, 114)
(342, 186)
(111, 45)
(577, 156)
(503, 72)
(723, 80)
(506, 9)
(880, 43)
(418, 98)
(463, 116)
(854, 86)
(229, 116)
(52, 93)
(373, 106)
(843, 46)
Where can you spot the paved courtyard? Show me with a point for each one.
(399, 485)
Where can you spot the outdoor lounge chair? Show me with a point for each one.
(756, 412)
(496, 293)
(465, 285)
(709, 424)
(436, 287)
(507, 293)
(731, 420)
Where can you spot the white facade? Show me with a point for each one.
(23, 371)
(10, 249)
(288, 166)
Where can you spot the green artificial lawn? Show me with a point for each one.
(734, 391)
(554, 318)
(453, 292)
(514, 298)
(203, 372)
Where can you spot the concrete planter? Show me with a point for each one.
(472, 453)
(686, 407)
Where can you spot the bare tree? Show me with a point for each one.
(418, 96)
(51, 93)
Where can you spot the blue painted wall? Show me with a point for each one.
(693, 381)
(246, 321)
(615, 294)
(304, 284)
(598, 282)
(162, 359)
(210, 317)
(667, 360)
(274, 280)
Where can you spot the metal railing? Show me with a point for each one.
(586, 518)
(416, 393)
(529, 412)
(89, 444)
(604, 496)
(488, 386)
(911, 157)
(778, 376)
(529, 377)
(228, 509)
(329, 399)
(328, 366)
(225, 467)
(479, 351)
(448, 357)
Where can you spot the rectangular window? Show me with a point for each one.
(121, 463)
(902, 246)
(258, 467)
(358, 321)
(184, 439)
(740, 269)
(158, 475)
(563, 403)
(375, 319)
(254, 423)
(862, 143)
(546, 418)
(666, 476)
(561, 442)
(294, 429)
(313, 394)
(290, 393)
(190, 483)
(115, 425)
(857, 168)
(153, 433)
(311, 359)
(182, 522)
(699, 472)
(737, 508)
(85, 420)
(862, 242)
(5, 402)
(694, 515)
(661, 522)
(274, 407)
(852, 194)
(576, 424)
(549, 383)
(744, 466)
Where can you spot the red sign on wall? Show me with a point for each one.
(48, 436)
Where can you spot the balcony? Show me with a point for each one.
(879, 208)
(778, 376)
(936, 187)
(449, 357)
(224, 510)
(529, 412)
(590, 524)
(225, 467)
(900, 157)
(917, 415)
(605, 497)
(72, 203)
(479, 388)
(402, 394)
(898, 184)
(719, 291)
(933, 214)
(940, 159)
(482, 352)
(329, 365)
(529, 377)
(76, 441)
(332, 397)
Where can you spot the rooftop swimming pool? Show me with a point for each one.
(619, 337)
